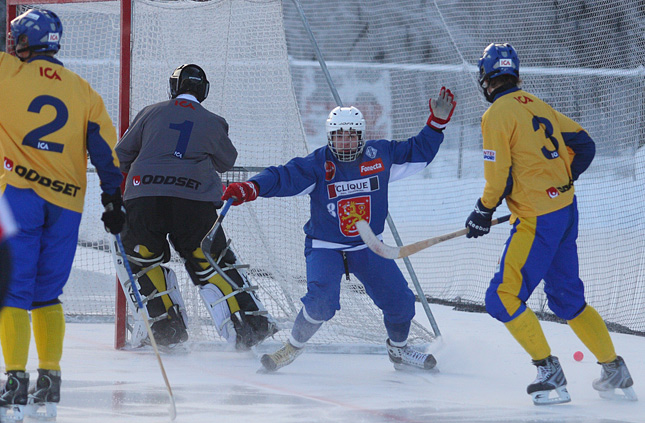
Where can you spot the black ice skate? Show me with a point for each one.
(46, 394)
(14, 396)
(550, 377)
(169, 329)
(405, 358)
(614, 375)
(280, 358)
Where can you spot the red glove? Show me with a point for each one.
(241, 191)
(441, 109)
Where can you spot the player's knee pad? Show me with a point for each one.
(235, 299)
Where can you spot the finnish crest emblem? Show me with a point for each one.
(370, 152)
(352, 210)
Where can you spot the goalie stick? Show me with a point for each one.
(207, 241)
(143, 313)
(390, 252)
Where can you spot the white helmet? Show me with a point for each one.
(346, 119)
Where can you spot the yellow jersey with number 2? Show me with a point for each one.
(49, 120)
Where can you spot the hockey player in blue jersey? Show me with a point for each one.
(347, 181)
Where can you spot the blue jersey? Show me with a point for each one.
(342, 193)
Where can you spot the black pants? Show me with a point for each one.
(151, 219)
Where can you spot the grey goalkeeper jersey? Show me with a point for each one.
(173, 149)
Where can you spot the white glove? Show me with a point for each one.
(441, 109)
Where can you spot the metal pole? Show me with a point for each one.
(390, 222)
(415, 280)
(314, 44)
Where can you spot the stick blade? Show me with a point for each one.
(374, 244)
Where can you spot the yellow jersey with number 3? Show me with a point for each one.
(526, 159)
(49, 120)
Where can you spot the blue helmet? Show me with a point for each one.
(497, 60)
(42, 28)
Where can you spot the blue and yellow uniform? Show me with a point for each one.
(51, 118)
(532, 156)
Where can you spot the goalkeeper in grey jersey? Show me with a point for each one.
(171, 153)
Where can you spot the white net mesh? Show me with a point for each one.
(584, 58)
(241, 46)
(387, 58)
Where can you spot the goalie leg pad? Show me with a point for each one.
(159, 290)
(171, 329)
(218, 308)
(250, 319)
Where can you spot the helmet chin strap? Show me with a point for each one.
(491, 96)
(22, 50)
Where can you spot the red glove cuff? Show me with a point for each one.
(437, 123)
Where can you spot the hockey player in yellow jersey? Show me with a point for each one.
(50, 120)
(533, 154)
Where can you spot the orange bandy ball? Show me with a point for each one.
(578, 356)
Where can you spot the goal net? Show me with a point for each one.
(584, 58)
(387, 58)
(242, 48)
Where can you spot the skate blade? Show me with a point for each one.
(264, 371)
(413, 369)
(43, 411)
(544, 398)
(627, 395)
(12, 413)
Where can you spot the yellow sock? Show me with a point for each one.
(592, 331)
(156, 276)
(15, 334)
(526, 330)
(49, 331)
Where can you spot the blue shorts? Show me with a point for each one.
(382, 279)
(538, 248)
(43, 249)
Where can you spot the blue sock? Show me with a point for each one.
(303, 329)
(397, 332)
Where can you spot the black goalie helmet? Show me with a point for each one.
(187, 78)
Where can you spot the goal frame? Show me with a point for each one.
(123, 43)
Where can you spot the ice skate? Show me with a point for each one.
(42, 400)
(405, 358)
(280, 358)
(550, 378)
(614, 375)
(14, 397)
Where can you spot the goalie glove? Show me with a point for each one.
(441, 109)
(478, 222)
(242, 192)
(114, 215)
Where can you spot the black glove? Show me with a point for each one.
(114, 215)
(478, 222)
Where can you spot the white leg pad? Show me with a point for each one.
(219, 311)
(173, 292)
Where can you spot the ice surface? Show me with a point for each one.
(483, 377)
